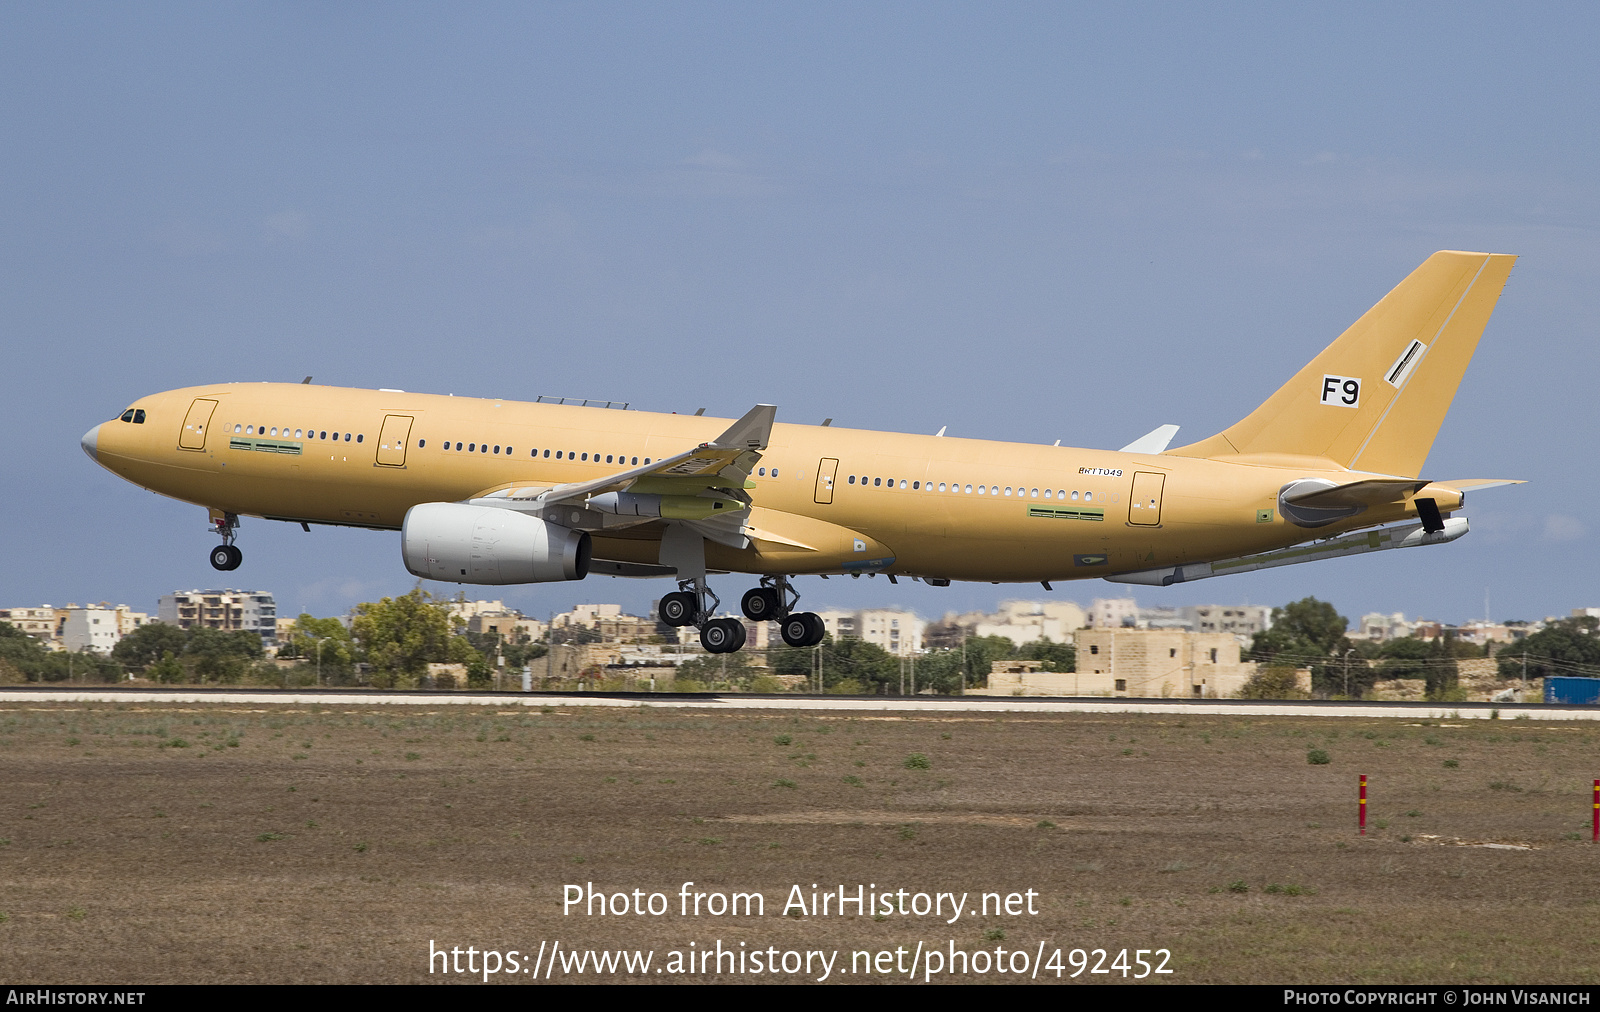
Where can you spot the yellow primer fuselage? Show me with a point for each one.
(1046, 512)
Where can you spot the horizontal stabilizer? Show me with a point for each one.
(1470, 484)
(1154, 441)
(1368, 492)
(1356, 543)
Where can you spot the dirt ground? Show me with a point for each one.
(203, 843)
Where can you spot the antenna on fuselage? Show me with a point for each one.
(699, 412)
(941, 430)
(305, 381)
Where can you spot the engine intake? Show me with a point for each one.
(457, 543)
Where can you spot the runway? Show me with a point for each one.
(21, 695)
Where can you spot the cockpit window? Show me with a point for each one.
(127, 415)
(138, 417)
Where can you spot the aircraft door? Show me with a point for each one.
(392, 440)
(193, 436)
(826, 469)
(1144, 506)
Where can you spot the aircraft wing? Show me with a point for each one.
(703, 487)
(722, 463)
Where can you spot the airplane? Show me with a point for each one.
(492, 491)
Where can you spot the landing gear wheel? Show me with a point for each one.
(226, 558)
(722, 636)
(803, 629)
(679, 608)
(760, 605)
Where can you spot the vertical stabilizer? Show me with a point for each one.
(1375, 398)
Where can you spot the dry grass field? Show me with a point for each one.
(203, 843)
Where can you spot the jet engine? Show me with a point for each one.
(458, 543)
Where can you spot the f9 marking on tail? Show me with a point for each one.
(1344, 391)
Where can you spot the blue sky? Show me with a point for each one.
(1021, 221)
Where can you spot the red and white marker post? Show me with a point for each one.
(1361, 818)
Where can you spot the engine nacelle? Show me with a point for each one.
(457, 543)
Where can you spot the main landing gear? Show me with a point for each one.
(226, 556)
(774, 600)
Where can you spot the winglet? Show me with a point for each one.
(750, 432)
(1154, 441)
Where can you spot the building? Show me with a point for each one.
(1113, 613)
(463, 611)
(1149, 662)
(42, 623)
(510, 626)
(586, 616)
(1018, 621)
(898, 632)
(1237, 619)
(98, 627)
(1031, 621)
(1380, 628)
(229, 610)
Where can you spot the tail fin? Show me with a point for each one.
(1375, 398)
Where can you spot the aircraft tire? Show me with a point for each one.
(678, 609)
(722, 636)
(796, 630)
(760, 604)
(226, 558)
(818, 629)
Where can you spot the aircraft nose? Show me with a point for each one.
(91, 443)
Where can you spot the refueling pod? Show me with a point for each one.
(457, 543)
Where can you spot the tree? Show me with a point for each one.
(1404, 657)
(1443, 674)
(788, 660)
(870, 666)
(981, 653)
(1310, 634)
(25, 659)
(730, 671)
(215, 655)
(1569, 646)
(324, 644)
(1056, 656)
(148, 644)
(402, 635)
(941, 671)
(1272, 682)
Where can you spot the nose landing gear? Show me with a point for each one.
(226, 556)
